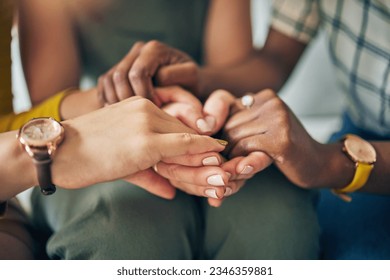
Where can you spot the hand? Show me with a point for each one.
(194, 180)
(212, 177)
(121, 140)
(134, 75)
(184, 106)
(271, 128)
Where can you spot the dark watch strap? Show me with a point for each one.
(3, 208)
(43, 165)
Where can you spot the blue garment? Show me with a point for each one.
(356, 230)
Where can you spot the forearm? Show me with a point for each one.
(44, 52)
(63, 106)
(257, 72)
(17, 172)
(269, 67)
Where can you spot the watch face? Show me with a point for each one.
(39, 132)
(359, 149)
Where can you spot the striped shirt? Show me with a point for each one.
(359, 45)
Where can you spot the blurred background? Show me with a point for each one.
(311, 92)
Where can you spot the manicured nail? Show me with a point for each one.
(222, 142)
(247, 170)
(210, 121)
(210, 161)
(228, 191)
(211, 193)
(155, 168)
(215, 180)
(203, 125)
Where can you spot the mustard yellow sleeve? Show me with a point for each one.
(48, 108)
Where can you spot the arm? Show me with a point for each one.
(61, 106)
(268, 67)
(86, 144)
(48, 48)
(270, 127)
(134, 73)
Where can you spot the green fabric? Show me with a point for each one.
(106, 37)
(268, 219)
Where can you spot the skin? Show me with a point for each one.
(133, 74)
(153, 132)
(40, 45)
(270, 128)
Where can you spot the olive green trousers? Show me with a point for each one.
(269, 218)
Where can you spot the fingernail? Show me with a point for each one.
(211, 193)
(215, 180)
(247, 170)
(228, 174)
(222, 142)
(210, 161)
(155, 168)
(228, 191)
(203, 125)
(210, 121)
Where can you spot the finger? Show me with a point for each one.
(172, 94)
(109, 90)
(218, 106)
(177, 144)
(153, 183)
(202, 191)
(184, 74)
(234, 187)
(100, 89)
(188, 115)
(241, 115)
(244, 130)
(252, 164)
(202, 176)
(184, 106)
(213, 202)
(151, 57)
(255, 143)
(206, 159)
(120, 75)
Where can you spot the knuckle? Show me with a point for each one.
(120, 75)
(173, 172)
(269, 93)
(187, 139)
(154, 44)
(138, 73)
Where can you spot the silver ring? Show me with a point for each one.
(247, 101)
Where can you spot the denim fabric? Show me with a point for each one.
(356, 230)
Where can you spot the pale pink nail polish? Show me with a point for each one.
(203, 125)
(228, 191)
(211, 193)
(215, 180)
(210, 161)
(210, 121)
(247, 170)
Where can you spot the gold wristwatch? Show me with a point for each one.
(40, 138)
(363, 154)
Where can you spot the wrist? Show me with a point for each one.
(78, 103)
(337, 170)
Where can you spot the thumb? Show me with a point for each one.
(217, 106)
(153, 183)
